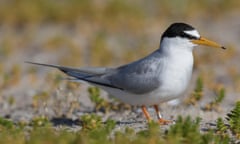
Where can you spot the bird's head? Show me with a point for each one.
(184, 36)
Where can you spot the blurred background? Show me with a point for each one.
(104, 33)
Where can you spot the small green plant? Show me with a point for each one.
(220, 96)
(185, 130)
(234, 120)
(39, 99)
(72, 85)
(100, 103)
(153, 129)
(102, 133)
(197, 94)
(11, 100)
(222, 128)
(4, 123)
(109, 125)
(57, 79)
(40, 121)
(12, 77)
(214, 105)
(91, 122)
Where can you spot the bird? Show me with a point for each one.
(161, 76)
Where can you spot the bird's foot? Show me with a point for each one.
(162, 121)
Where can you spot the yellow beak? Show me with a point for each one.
(204, 41)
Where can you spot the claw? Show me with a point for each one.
(162, 121)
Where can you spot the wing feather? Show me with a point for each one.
(138, 77)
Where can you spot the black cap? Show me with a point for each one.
(177, 30)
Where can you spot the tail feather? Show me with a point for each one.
(74, 72)
(91, 75)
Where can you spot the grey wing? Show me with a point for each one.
(139, 77)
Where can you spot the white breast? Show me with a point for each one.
(176, 74)
(178, 64)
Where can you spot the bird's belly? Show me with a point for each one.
(159, 95)
(174, 82)
(174, 85)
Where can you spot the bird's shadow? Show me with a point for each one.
(65, 121)
(128, 122)
(60, 121)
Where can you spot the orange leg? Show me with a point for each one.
(159, 116)
(147, 115)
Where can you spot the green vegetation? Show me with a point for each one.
(94, 130)
(27, 11)
(91, 121)
(197, 94)
(12, 76)
(234, 120)
(40, 121)
(232, 126)
(39, 98)
(222, 128)
(100, 103)
(4, 123)
(185, 131)
(214, 105)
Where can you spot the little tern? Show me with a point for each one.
(159, 77)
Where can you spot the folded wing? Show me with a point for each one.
(138, 77)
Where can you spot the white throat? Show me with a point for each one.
(176, 45)
(178, 59)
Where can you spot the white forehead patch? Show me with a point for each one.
(193, 33)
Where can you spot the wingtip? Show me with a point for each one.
(41, 64)
(35, 63)
(29, 62)
(223, 47)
